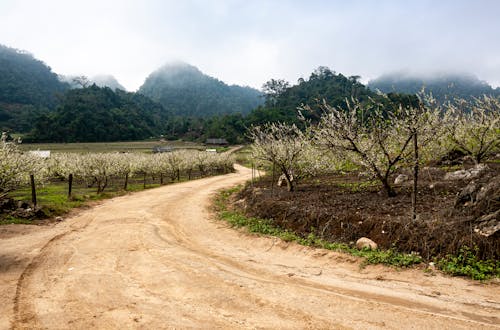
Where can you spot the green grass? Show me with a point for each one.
(466, 263)
(53, 198)
(358, 186)
(244, 156)
(13, 220)
(266, 227)
(128, 146)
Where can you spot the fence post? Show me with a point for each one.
(70, 184)
(33, 189)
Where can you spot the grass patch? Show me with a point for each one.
(266, 227)
(466, 263)
(358, 186)
(12, 220)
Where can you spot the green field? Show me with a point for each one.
(128, 146)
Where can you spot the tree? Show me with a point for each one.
(365, 135)
(81, 81)
(283, 145)
(474, 126)
(273, 89)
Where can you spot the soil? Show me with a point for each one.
(345, 207)
(158, 259)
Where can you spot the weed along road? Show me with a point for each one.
(158, 259)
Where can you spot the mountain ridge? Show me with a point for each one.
(186, 91)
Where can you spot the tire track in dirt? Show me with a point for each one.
(24, 313)
(154, 259)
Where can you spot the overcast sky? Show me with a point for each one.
(248, 42)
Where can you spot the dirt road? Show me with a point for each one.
(156, 259)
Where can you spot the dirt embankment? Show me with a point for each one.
(156, 259)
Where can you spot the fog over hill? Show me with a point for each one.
(185, 90)
(105, 80)
(443, 86)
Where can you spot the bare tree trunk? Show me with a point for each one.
(125, 185)
(415, 179)
(274, 177)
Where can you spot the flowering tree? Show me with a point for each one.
(16, 167)
(474, 127)
(283, 145)
(377, 139)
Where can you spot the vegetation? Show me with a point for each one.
(467, 263)
(95, 114)
(266, 227)
(28, 88)
(186, 91)
(474, 127)
(379, 138)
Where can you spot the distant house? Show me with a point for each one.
(217, 142)
(160, 149)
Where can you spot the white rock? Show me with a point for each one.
(365, 242)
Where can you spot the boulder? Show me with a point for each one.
(365, 242)
(489, 224)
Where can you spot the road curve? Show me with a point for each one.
(157, 259)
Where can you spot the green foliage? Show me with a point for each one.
(323, 85)
(28, 88)
(26, 80)
(467, 263)
(186, 91)
(8, 220)
(266, 227)
(98, 114)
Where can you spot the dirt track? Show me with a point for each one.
(155, 259)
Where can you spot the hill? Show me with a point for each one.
(186, 91)
(95, 114)
(443, 87)
(282, 100)
(27, 87)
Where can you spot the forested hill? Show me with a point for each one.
(26, 80)
(442, 87)
(27, 87)
(282, 100)
(95, 114)
(186, 91)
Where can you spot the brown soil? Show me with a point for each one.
(343, 208)
(155, 259)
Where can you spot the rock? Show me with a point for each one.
(471, 173)
(488, 224)
(401, 178)
(22, 205)
(490, 190)
(365, 242)
(59, 218)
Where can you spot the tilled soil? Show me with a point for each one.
(345, 207)
(157, 259)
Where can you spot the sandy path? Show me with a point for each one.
(155, 259)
